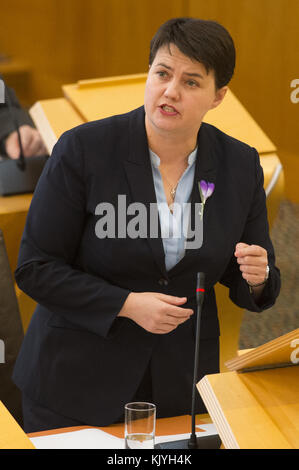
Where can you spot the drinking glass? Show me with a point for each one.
(140, 424)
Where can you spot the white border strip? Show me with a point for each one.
(274, 179)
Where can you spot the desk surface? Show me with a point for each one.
(164, 426)
(112, 437)
(19, 203)
(13, 437)
(13, 212)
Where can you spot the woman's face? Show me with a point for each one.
(178, 93)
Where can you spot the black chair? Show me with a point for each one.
(11, 336)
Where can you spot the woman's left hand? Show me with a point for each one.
(253, 261)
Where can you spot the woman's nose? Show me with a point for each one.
(172, 90)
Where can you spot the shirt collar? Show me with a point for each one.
(156, 160)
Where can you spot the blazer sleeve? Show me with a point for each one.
(256, 232)
(46, 269)
(6, 122)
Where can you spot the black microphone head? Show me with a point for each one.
(201, 277)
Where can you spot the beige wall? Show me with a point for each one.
(67, 40)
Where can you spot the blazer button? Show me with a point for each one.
(163, 282)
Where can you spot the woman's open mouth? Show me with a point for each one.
(168, 110)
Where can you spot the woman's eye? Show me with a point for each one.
(191, 83)
(162, 74)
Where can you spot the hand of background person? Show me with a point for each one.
(253, 261)
(155, 312)
(32, 143)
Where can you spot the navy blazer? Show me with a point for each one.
(78, 358)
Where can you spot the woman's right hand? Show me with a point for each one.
(155, 312)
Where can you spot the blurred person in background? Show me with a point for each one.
(32, 142)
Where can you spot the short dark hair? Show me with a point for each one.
(206, 41)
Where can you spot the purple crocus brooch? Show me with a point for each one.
(206, 190)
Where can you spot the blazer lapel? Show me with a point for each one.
(205, 169)
(206, 165)
(139, 173)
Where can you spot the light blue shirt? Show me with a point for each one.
(172, 224)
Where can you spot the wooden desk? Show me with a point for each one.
(112, 437)
(53, 117)
(13, 213)
(256, 404)
(254, 410)
(13, 437)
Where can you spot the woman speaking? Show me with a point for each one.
(106, 254)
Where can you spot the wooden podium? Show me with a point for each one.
(12, 435)
(256, 405)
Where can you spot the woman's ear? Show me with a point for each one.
(219, 96)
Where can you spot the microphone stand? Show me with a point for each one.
(200, 289)
(194, 442)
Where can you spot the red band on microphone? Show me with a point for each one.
(200, 290)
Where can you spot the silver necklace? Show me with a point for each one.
(172, 188)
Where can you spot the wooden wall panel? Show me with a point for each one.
(68, 40)
(267, 43)
(118, 34)
(40, 33)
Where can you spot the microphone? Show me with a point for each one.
(194, 442)
(18, 176)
